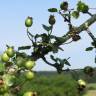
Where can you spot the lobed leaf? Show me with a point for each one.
(47, 28)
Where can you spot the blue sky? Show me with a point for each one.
(13, 30)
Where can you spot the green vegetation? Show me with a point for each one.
(50, 85)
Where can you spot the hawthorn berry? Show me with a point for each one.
(52, 20)
(28, 22)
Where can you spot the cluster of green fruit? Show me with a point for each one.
(64, 7)
(8, 54)
(81, 7)
(10, 64)
(6, 79)
(26, 64)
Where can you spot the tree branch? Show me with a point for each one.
(66, 37)
(44, 59)
(91, 35)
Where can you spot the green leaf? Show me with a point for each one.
(52, 10)
(58, 59)
(22, 54)
(66, 14)
(52, 57)
(61, 62)
(52, 36)
(89, 49)
(37, 36)
(66, 62)
(60, 39)
(45, 38)
(54, 48)
(47, 28)
(75, 14)
(24, 47)
(60, 48)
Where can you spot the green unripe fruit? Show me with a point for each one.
(20, 61)
(28, 22)
(84, 8)
(88, 70)
(64, 6)
(10, 52)
(29, 75)
(29, 64)
(28, 94)
(75, 14)
(81, 84)
(81, 7)
(5, 57)
(52, 20)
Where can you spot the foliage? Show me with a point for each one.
(57, 85)
(11, 65)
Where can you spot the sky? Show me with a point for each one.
(13, 31)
